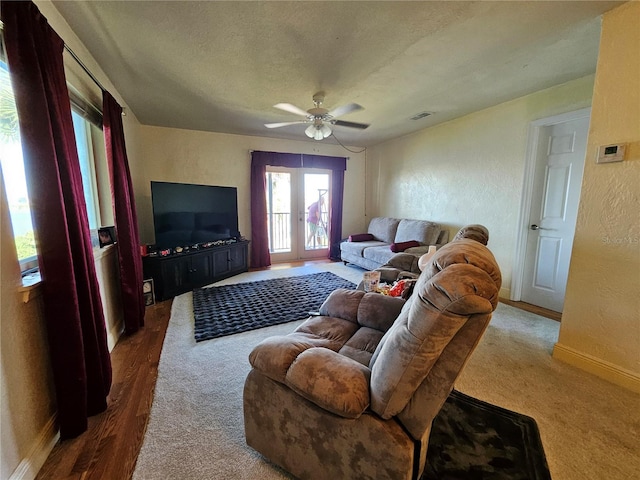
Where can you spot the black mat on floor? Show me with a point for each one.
(241, 307)
(474, 440)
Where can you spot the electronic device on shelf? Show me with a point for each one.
(188, 215)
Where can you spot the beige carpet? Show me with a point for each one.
(589, 428)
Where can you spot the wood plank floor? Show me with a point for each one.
(109, 448)
(543, 312)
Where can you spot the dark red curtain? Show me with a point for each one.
(126, 220)
(259, 232)
(260, 256)
(72, 306)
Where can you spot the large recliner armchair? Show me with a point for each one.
(352, 393)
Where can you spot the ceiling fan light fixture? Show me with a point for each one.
(318, 132)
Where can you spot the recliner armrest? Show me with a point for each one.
(274, 355)
(332, 381)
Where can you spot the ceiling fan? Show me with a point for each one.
(319, 118)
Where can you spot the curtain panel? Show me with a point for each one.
(260, 256)
(72, 305)
(126, 220)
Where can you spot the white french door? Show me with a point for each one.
(298, 202)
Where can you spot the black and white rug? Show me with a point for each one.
(229, 309)
(474, 440)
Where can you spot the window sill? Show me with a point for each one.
(98, 253)
(31, 283)
(30, 287)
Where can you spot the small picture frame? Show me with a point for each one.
(106, 236)
(148, 292)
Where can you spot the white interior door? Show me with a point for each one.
(298, 213)
(554, 207)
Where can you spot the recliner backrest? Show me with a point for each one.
(435, 333)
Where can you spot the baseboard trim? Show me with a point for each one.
(32, 463)
(505, 293)
(114, 333)
(598, 367)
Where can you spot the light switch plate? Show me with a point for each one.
(611, 153)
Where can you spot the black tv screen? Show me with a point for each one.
(187, 214)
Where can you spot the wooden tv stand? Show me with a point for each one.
(182, 272)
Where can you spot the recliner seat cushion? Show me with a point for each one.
(346, 334)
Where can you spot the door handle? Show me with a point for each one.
(536, 227)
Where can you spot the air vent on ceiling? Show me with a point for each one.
(421, 115)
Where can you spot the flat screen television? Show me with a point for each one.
(187, 214)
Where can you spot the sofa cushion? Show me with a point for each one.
(380, 255)
(356, 248)
(384, 228)
(421, 230)
(402, 246)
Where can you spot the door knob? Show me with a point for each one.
(536, 227)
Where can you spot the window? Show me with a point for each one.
(87, 126)
(87, 121)
(13, 174)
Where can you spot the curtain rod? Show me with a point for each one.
(76, 58)
(84, 67)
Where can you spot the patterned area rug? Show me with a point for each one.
(240, 307)
(474, 440)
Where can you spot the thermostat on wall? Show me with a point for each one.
(611, 153)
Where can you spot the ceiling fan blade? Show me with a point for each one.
(282, 124)
(342, 123)
(287, 107)
(344, 109)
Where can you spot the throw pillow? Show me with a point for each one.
(361, 237)
(402, 246)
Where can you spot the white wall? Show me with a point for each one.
(26, 386)
(468, 170)
(188, 156)
(600, 329)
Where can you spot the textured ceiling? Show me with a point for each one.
(221, 66)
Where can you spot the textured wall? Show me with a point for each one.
(469, 170)
(602, 309)
(26, 386)
(189, 156)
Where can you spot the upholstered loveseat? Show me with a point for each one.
(387, 236)
(352, 393)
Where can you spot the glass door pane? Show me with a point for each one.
(316, 200)
(280, 220)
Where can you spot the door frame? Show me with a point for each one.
(299, 215)
(531, 159)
